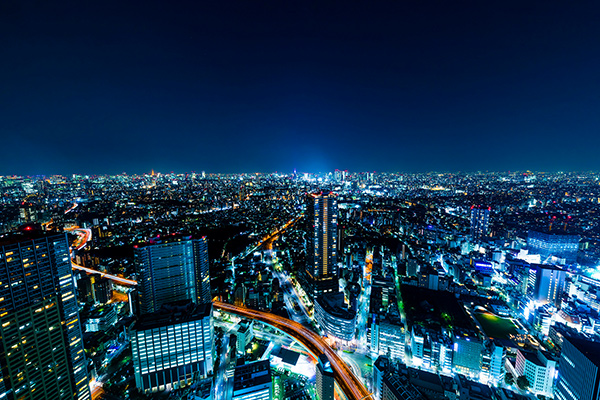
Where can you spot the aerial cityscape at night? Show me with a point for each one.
(275, 286)
(272, 200)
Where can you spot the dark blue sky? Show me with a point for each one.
(247, 86)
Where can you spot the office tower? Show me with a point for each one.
(429, 278)
(253, 381)
(547, 284)
(173, 346)
(172, 269)
(325, 380)
(480, 217)
(41, 346)
(579, 370)
(539, 369)
(321, 257)
(549, 245)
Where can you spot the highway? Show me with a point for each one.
(84, 236)
(345, 378)
(115, 278)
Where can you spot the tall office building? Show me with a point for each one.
(321, 254)
(172, 269)
(547, 284)
(174, 346)
(41, 346)
(325, 379)
(579, 370)
(480, 218)
(548, 245)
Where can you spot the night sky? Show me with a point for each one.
(96, 87)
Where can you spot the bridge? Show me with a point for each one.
(344, 377)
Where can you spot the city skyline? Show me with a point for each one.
(279, 200)
(233, 87)
(178, 286)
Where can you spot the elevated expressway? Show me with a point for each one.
(84, 235)
(350, 385)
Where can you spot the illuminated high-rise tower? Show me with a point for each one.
(41, 345)
(321, 244)
(480, 217)
(172, 268)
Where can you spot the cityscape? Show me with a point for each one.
(296, 286)
(299, 200)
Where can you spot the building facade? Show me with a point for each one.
(321, 244)
(549, 245)
(172, 269)
(539, 369)
(253, 381)
(468, 350)
(579, 370)
(173, 346)
(480, 218)
(336, 320)
(387, 338)
(41, 345)
(548, 284)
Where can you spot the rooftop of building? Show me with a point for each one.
(382, 363)
(174, 313)
(333, 306)
(167, 239)
(325, 364)
(102, 311)
(253, 374)
(401, 387)
(244, 326)
(27, 232)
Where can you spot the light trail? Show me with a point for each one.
(345, 378)
(115, 278)
(84, 236)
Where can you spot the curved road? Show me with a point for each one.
(345, 378)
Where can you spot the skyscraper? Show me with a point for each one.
(41, 346)
(579, 370)
(172, 269)
(321, 256)
(480, 217)
(173, 346)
